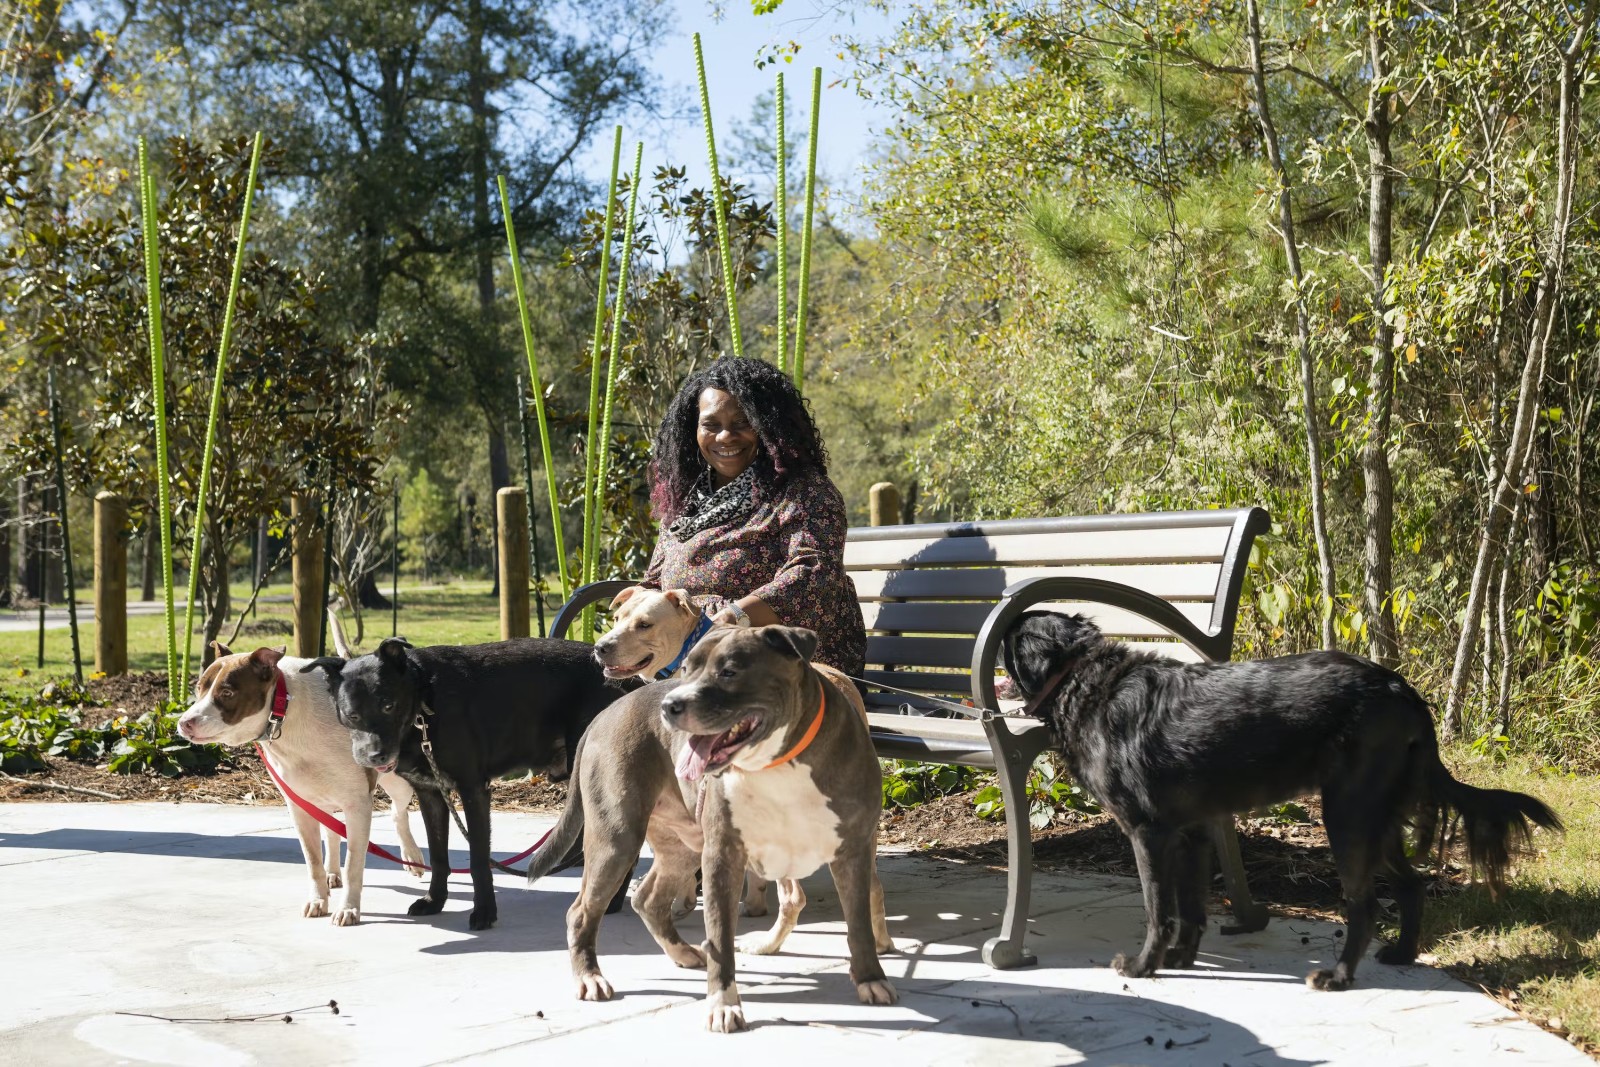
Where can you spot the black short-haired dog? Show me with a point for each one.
(484, 711)
(1168, 746)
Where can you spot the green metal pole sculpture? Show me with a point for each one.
(717, 202)
(805, 236)
(158, 389)
(211, 420)
(591, 551)
(537, 385)
(590, 455)
(533, 524)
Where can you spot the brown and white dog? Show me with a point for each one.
(649, 631)
(236, 703)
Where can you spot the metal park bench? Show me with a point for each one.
(938, 597)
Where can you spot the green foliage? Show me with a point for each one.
(1047, 791)
(33, 728)
(907, 784)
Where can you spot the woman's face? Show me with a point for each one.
(727, 440)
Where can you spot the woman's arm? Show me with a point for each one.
(811, 524)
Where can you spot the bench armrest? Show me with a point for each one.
(1034, 591)
(601, 592)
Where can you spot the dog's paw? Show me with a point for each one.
(760, 943)
(1134, 968)
(416, 866)
(335, 880)
(594, 987)
(315, 908)
(1179, 957)
(878, 992)
(425, 906)
(1395, 956)
(482, 918)
(884, 945)
(687, 956)
(724, 1012)
(346, 916)
(1328, 980)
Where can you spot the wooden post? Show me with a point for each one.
(306, 531)
(511, 504)
(884, 504)
(110, 584)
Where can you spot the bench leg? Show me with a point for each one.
(1249, 915)
(1013, 756)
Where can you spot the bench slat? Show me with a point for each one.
(921, 651)
(967, 618)
(1169, 581)
(1184, 545)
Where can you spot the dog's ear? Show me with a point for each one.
(625, 596)
(680, 597)
(221, 649)
(331, 664)
(265, 661)
(794, 641)
(393, 652)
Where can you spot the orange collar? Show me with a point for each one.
(811, 734)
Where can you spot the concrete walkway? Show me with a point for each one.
(194, 911)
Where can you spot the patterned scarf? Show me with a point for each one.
(732, 503)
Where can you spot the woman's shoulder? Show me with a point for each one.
(810, 488)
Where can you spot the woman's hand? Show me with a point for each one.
(746, 611)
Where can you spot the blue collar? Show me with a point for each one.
(689, 642)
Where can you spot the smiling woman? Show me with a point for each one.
(750, 520)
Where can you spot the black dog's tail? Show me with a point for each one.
(1494, 821)
(549, 857)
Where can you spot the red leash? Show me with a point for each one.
(376, 850)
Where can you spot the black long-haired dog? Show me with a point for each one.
(1168, 746)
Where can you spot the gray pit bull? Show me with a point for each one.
(781, 767)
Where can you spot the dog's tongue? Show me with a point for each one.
(695, 755)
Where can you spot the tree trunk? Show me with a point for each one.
(1308, 377)
(5, 550)
(147, 564)
(370, 596)
(483, 254)
(1378, 503)
(1502, 497)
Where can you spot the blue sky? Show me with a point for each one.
(731, 45)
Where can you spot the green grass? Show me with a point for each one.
(1539, 943)
(458, 613)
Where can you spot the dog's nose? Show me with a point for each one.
(671, 706)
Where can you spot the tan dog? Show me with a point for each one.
(649, 628)
(234, 704)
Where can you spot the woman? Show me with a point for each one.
(749, 518)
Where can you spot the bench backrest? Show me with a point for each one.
(925, 590)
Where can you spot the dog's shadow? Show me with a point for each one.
(1104, 1029)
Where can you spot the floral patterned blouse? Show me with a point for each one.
(790, 553)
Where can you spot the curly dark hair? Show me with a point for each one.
(789, 442)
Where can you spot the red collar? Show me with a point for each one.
(280, 705)
(811, 734)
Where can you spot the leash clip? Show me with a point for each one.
(427, 743)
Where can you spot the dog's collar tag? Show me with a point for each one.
(280, 706)
(701, 628)
(811, 734)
